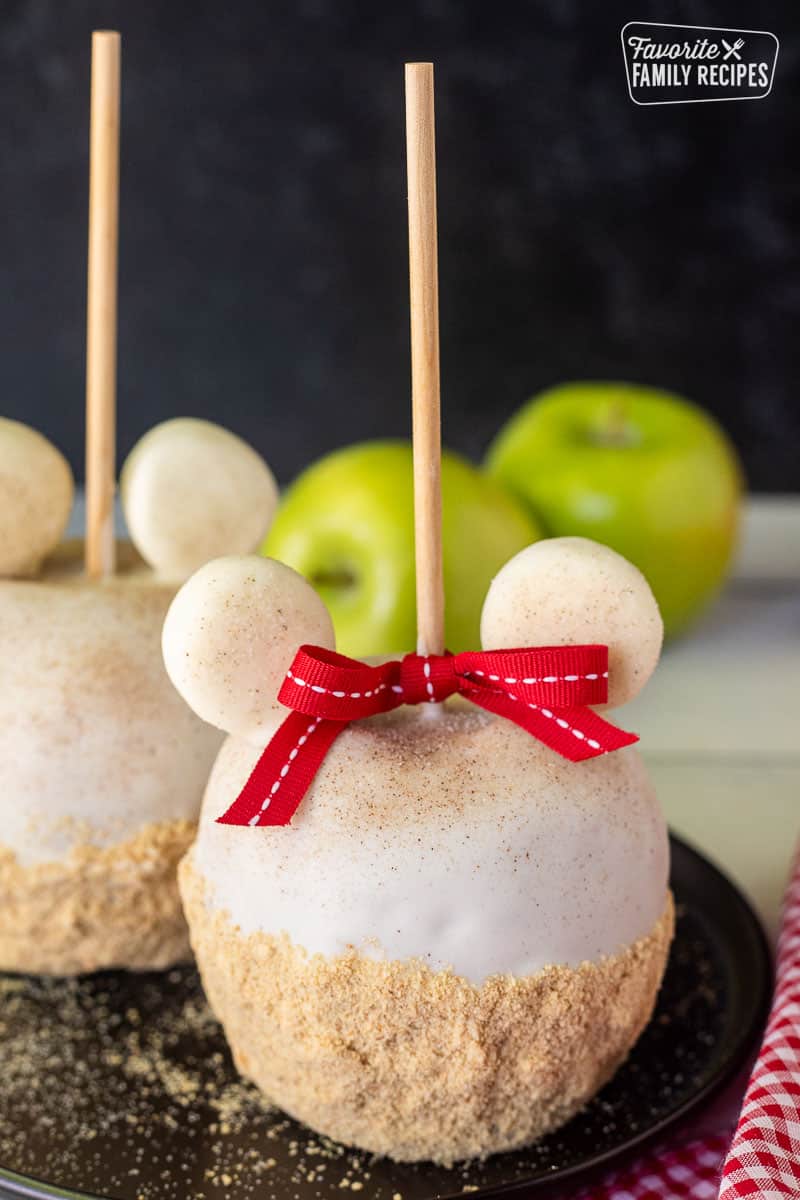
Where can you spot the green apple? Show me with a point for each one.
(347, 524)
(643, 471)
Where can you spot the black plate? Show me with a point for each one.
(121, 1087)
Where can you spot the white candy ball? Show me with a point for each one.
(572, 591)
(231, 634)
(36, 493)
(192, 491)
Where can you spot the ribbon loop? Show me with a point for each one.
(546, 690)
(557, 676)
(325, 684)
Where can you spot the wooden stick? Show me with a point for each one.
(101, 318)
(423, 269)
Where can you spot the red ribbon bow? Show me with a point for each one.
(545, 690)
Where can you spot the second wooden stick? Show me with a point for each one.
(101, 317)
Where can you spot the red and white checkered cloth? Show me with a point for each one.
(763, 1160)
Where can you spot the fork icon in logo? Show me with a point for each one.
(733, 49)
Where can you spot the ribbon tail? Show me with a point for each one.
(575, 733)
(284, 772)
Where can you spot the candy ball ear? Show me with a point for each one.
(192, 491)
(36, 493)
(230, 636)
(571, 591)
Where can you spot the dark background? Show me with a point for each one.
(263, 268)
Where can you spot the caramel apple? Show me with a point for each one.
(429, 904)
(461, 934)
(103, 767)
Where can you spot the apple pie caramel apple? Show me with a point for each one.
(460, 932)
(102, 767)
(428, 895)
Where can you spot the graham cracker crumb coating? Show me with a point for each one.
(115, 906)
(418, 1064)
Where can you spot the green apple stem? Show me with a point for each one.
(614, 430)
(424, 297)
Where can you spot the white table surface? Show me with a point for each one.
(719, 720)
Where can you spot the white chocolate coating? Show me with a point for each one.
(95, 744)
(572, 591)
(191, 491)
(36, 493)
(448, 836)
(231, 634)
